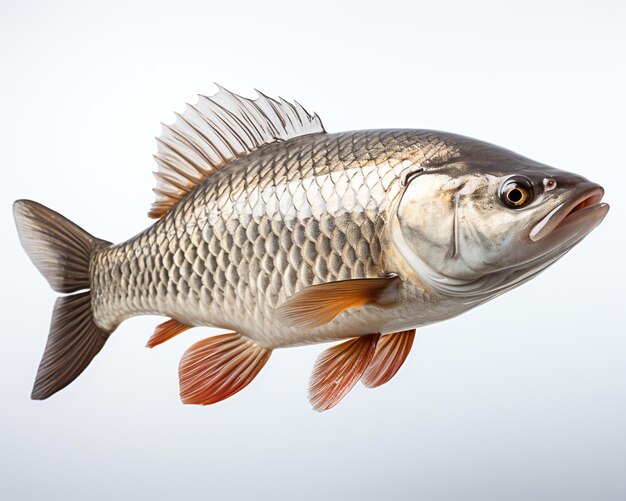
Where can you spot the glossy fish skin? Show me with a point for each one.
(286, 235)
(308, 211)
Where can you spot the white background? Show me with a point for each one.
(521, 399)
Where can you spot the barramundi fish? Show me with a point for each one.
(283, 234)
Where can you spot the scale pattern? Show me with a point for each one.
(291, 214)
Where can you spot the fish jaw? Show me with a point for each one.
(581, 214)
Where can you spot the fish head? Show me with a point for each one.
(489, 219)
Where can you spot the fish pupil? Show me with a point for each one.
(515, 195)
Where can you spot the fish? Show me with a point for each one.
(283, 234)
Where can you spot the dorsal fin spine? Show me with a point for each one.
(205, 119)
(243, 146)
(190, 144)
(263, 97)
(301, 108)
(165, 193)
(171, 180)
(253, 126)
(201, 135)
(293, 111)
(220, 135)
(178, 153)
(235, 118)
(246, 116)
(178, 171)
(205, 138)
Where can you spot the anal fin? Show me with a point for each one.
(166, 331)
(216, 368)
(338, 369)
(391, 352)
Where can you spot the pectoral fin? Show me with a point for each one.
(391, 352)
(318, 304)
(338, 369)
(218, 367)
(165, 331)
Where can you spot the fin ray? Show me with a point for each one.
(338, 369)
(391, 352)
(317, 305)
(166, 331)
(62, 252)
(58, 248)
(216, 368)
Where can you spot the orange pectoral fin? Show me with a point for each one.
(318, 304)
(218, 367)
(165, 331)
(391, 352)
(338, 369)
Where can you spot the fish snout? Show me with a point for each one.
(582, 208)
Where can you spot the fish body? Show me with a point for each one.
(287, 235)
(312, 210)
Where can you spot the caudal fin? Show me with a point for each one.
(61, 251)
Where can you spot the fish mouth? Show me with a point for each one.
(580, 215)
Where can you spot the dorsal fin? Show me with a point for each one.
(214, 132)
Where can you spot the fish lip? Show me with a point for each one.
(586, 204)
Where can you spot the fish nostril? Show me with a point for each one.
(549, 184)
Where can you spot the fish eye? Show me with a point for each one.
(516, 192)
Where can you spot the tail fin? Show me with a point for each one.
(61, 251)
